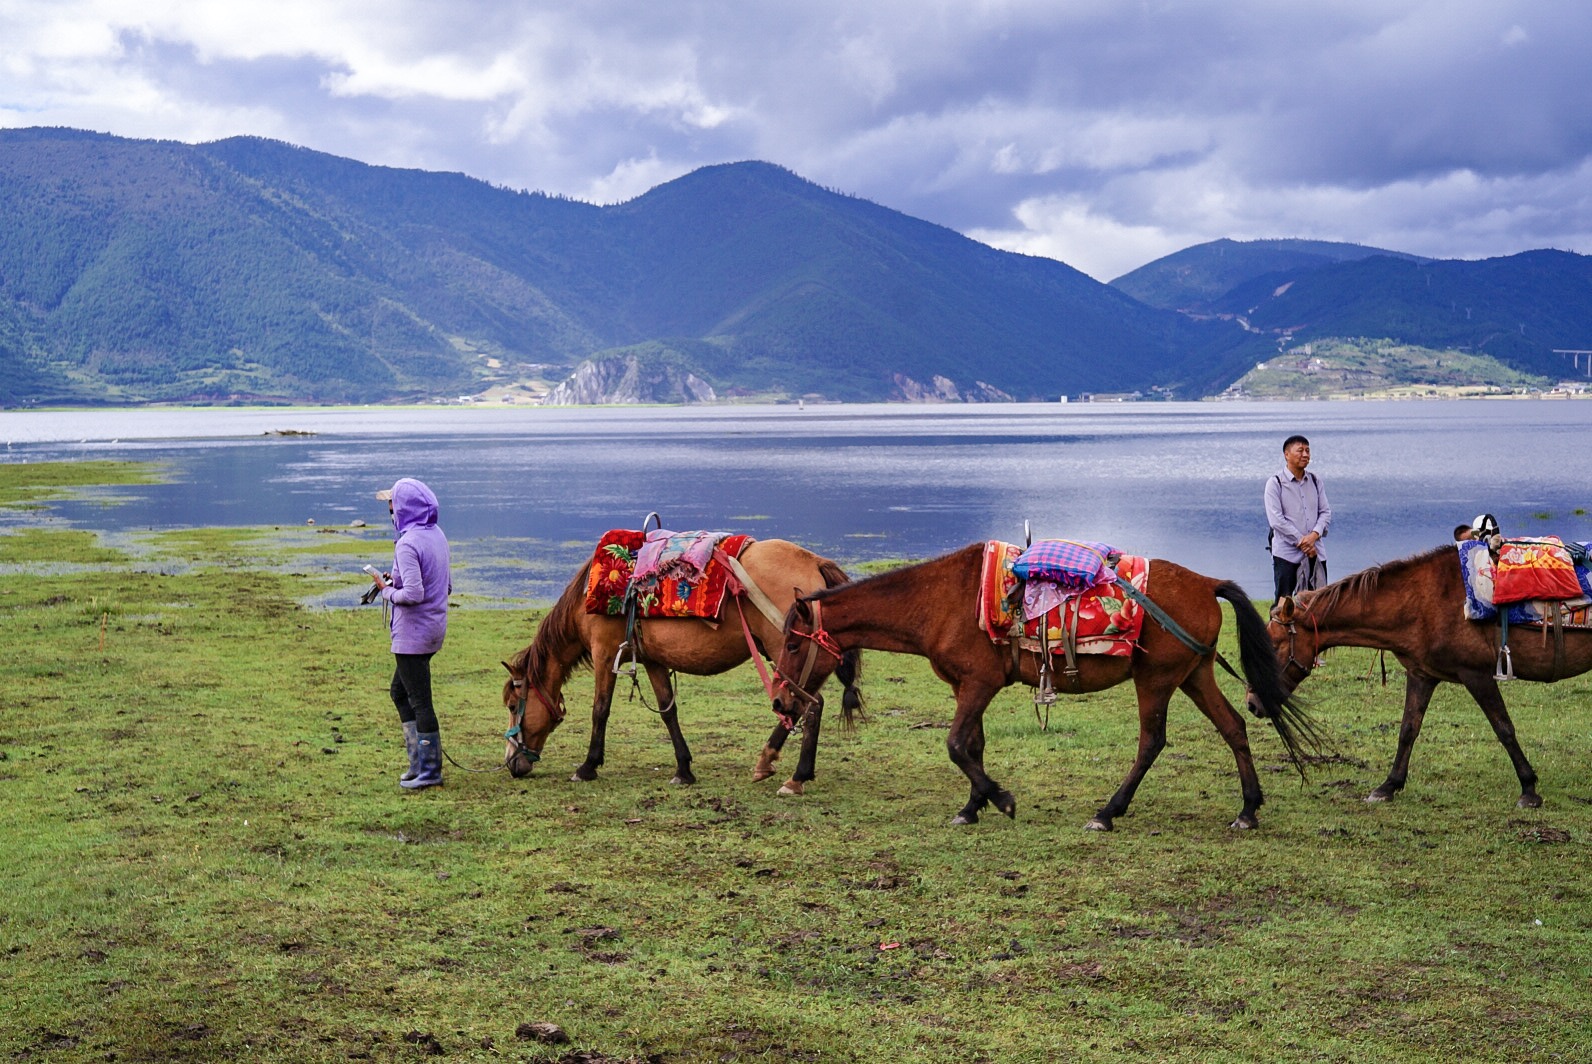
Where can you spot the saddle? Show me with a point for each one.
(1050, 616)
(1539, 582)
(681, 579)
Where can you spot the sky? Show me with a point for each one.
(1104, 133)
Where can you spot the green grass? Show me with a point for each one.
(206, 857)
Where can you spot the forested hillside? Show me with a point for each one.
(249, 269)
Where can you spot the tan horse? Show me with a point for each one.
(569, 637)
(1415, 609)
(927, 610)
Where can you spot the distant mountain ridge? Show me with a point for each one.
(1192, 278)
(251, 269)
(248, 270)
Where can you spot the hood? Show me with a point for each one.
(413, 505)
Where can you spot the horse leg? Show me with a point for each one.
(965, 744)
(1201, 687)
(663, 690)
(1152, 739)
(1484, 689)
(765, 760)
(1418, 689)
(601, 704)
(807, 763)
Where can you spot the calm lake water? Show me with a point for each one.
(525, 493)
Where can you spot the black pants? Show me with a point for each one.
(411, 691)
(1285, 575)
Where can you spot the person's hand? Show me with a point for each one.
(1307, 543)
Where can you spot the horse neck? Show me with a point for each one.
(1382, 608)
(893, 611)
(559, 645)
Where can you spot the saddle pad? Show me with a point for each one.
(1538, 568)
(1477, 575)
(1107, 622)
(1074, 564)
(680, 554)
(614, 562)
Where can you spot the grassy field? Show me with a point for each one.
(206, 855)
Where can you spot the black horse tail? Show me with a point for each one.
(850, 669)
(1268, 700)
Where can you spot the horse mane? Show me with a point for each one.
(560, 622)
(1360, 585)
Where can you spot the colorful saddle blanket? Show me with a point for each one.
(684, 555)
(676, 593)
(1480, 577)
(1102, 619)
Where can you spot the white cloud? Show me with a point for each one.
(1099, 132)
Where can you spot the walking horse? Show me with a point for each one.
(927, 610)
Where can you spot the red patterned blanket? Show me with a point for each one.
(1103, 620)
(615, 560)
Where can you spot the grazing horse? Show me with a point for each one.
(569, 637)
(928, 610)
(1414, 608)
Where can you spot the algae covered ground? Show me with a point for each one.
(207, 857)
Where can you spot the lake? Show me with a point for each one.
(526, 492)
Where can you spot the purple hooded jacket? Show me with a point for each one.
(421, 580)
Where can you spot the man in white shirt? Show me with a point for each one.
(1299, 514)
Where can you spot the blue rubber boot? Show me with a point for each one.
(428, 762)
(411, 742)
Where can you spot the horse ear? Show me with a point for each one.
(507, 666)
(1285, 609)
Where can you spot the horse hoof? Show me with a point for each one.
(791, 789)
(964, 818)
(1244, 823)
(581, 776)
(683, 781)
(1379, 795)
(1097, 824)
(759, 774)
(1006, 804)
(1529, 801)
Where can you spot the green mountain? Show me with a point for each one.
(1192, 278)
(1517, 309)
(249, 269)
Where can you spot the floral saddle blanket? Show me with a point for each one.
(1099, 618)
(1530, 578)
(669, 574)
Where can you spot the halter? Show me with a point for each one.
(1294, 662)
(816, 639)
(554, 710)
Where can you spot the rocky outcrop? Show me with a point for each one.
(630, 379)
(944, 390)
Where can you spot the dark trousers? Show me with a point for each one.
(411, 691)
(1285, 576)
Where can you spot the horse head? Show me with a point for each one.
(533, 714)
(806, 658)
(1295, 640)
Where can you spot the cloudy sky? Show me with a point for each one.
(1104, 133)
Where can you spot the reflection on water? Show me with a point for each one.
(526, 492)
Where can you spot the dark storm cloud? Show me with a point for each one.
(1101, 132)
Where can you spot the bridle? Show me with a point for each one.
(1293, 661)
(555, 709)
(817, 639)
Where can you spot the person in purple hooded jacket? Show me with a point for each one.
(417, 591)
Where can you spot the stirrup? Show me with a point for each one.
(619, 669)
(1505, 668)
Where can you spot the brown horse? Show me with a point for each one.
(569, 637)
(1414, 608)
(928, 610)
